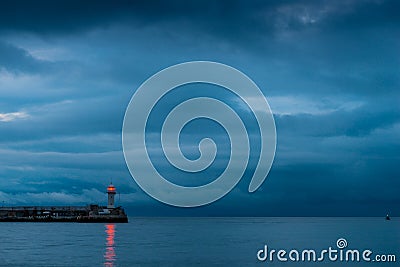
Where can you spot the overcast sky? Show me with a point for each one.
(329, 69)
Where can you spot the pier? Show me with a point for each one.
(89, 213)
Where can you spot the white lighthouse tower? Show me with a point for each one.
(111, 194)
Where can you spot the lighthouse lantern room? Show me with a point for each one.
(111, 196)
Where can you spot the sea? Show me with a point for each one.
(204, 241)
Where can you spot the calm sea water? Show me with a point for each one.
(191, 241)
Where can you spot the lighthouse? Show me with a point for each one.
(111, 194)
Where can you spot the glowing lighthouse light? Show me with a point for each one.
(111, 194)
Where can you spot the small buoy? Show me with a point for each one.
(387, 217)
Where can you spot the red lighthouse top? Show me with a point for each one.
(111, 189)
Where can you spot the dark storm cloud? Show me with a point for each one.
(359, 122)
(70, 16)
(228, 18)
(18, 60)
(365, 14)
(83, 117)
(328, 68)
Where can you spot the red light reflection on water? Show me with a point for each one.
(109, 255)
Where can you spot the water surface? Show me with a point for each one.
(191, 241)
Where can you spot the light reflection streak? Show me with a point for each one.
(110, 256)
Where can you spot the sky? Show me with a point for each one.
(329, 70)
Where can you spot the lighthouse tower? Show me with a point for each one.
(111, 194)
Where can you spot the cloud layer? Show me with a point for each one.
(328, 69)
